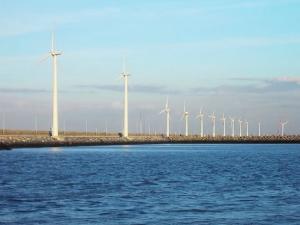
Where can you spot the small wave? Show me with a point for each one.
(193, 210)
(145, 183)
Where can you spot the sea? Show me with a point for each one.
(151, 184)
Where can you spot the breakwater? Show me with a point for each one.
(24, 141)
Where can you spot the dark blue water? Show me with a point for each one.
(158, 184)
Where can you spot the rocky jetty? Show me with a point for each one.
(24, 141)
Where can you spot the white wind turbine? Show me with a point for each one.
(259, 126)
(283, 126)
(54, 53)
(125, 76)
(213, 120)
(232, 126)
(200, 116)
(185, 116)
(240, 123)
(223, 119)
(247, 128)
(167, 111)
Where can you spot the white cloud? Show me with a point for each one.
(288, 79)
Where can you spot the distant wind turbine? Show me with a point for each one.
(167, 111)
(223, 119)
(247, 128)
(3, 123)
(232, 126)
(213, 120)
(54, 54)
(86, 128)
(125, 76)
(240, 123)
(200, 116)
(185, 116)
(259, 126)
(283, 126)
(35, 124)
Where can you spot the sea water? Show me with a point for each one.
(151, 184)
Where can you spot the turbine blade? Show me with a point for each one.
(167, 103)
(44, 58)
(124, 64)
(52, 42)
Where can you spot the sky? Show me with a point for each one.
(237, 57)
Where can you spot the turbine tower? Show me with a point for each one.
(283, 126)
(213, 120)
(125, 76)
(54, 54)
(240, 123)
(200, 116)
(247, 128)
(232, 126)
(167, 111)
(185, 116)
(223, 119)
(259, 125)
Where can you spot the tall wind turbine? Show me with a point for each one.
(283, 126)
(232, 126)
(125, 76)
(213, 120)
(259, 126)
(240, 123)
(247, 128)
(185, 116)
(200, 116)
(54, 53)
(167, 111)
(223, 119)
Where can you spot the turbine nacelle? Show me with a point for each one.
(212, 116)
(123, 75)
(166, 109)
(200, 115)
(54, 53)
(284, 123)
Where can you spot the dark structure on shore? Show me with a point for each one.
(25, 141)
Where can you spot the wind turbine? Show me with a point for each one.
(247, 128)
(54, 53)
(185, 116)
(282, 127)
(3, 123)
(167, 111)
(240, 123)
(213, 120)
(200, 116)
(232, 126)
(259, 125)
(125, 76)
(35, 125)
(224, 125)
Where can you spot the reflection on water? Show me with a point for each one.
(55, 149)
(151, 184)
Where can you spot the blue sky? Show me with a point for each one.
(233, 56)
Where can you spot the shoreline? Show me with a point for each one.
(8, 142)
